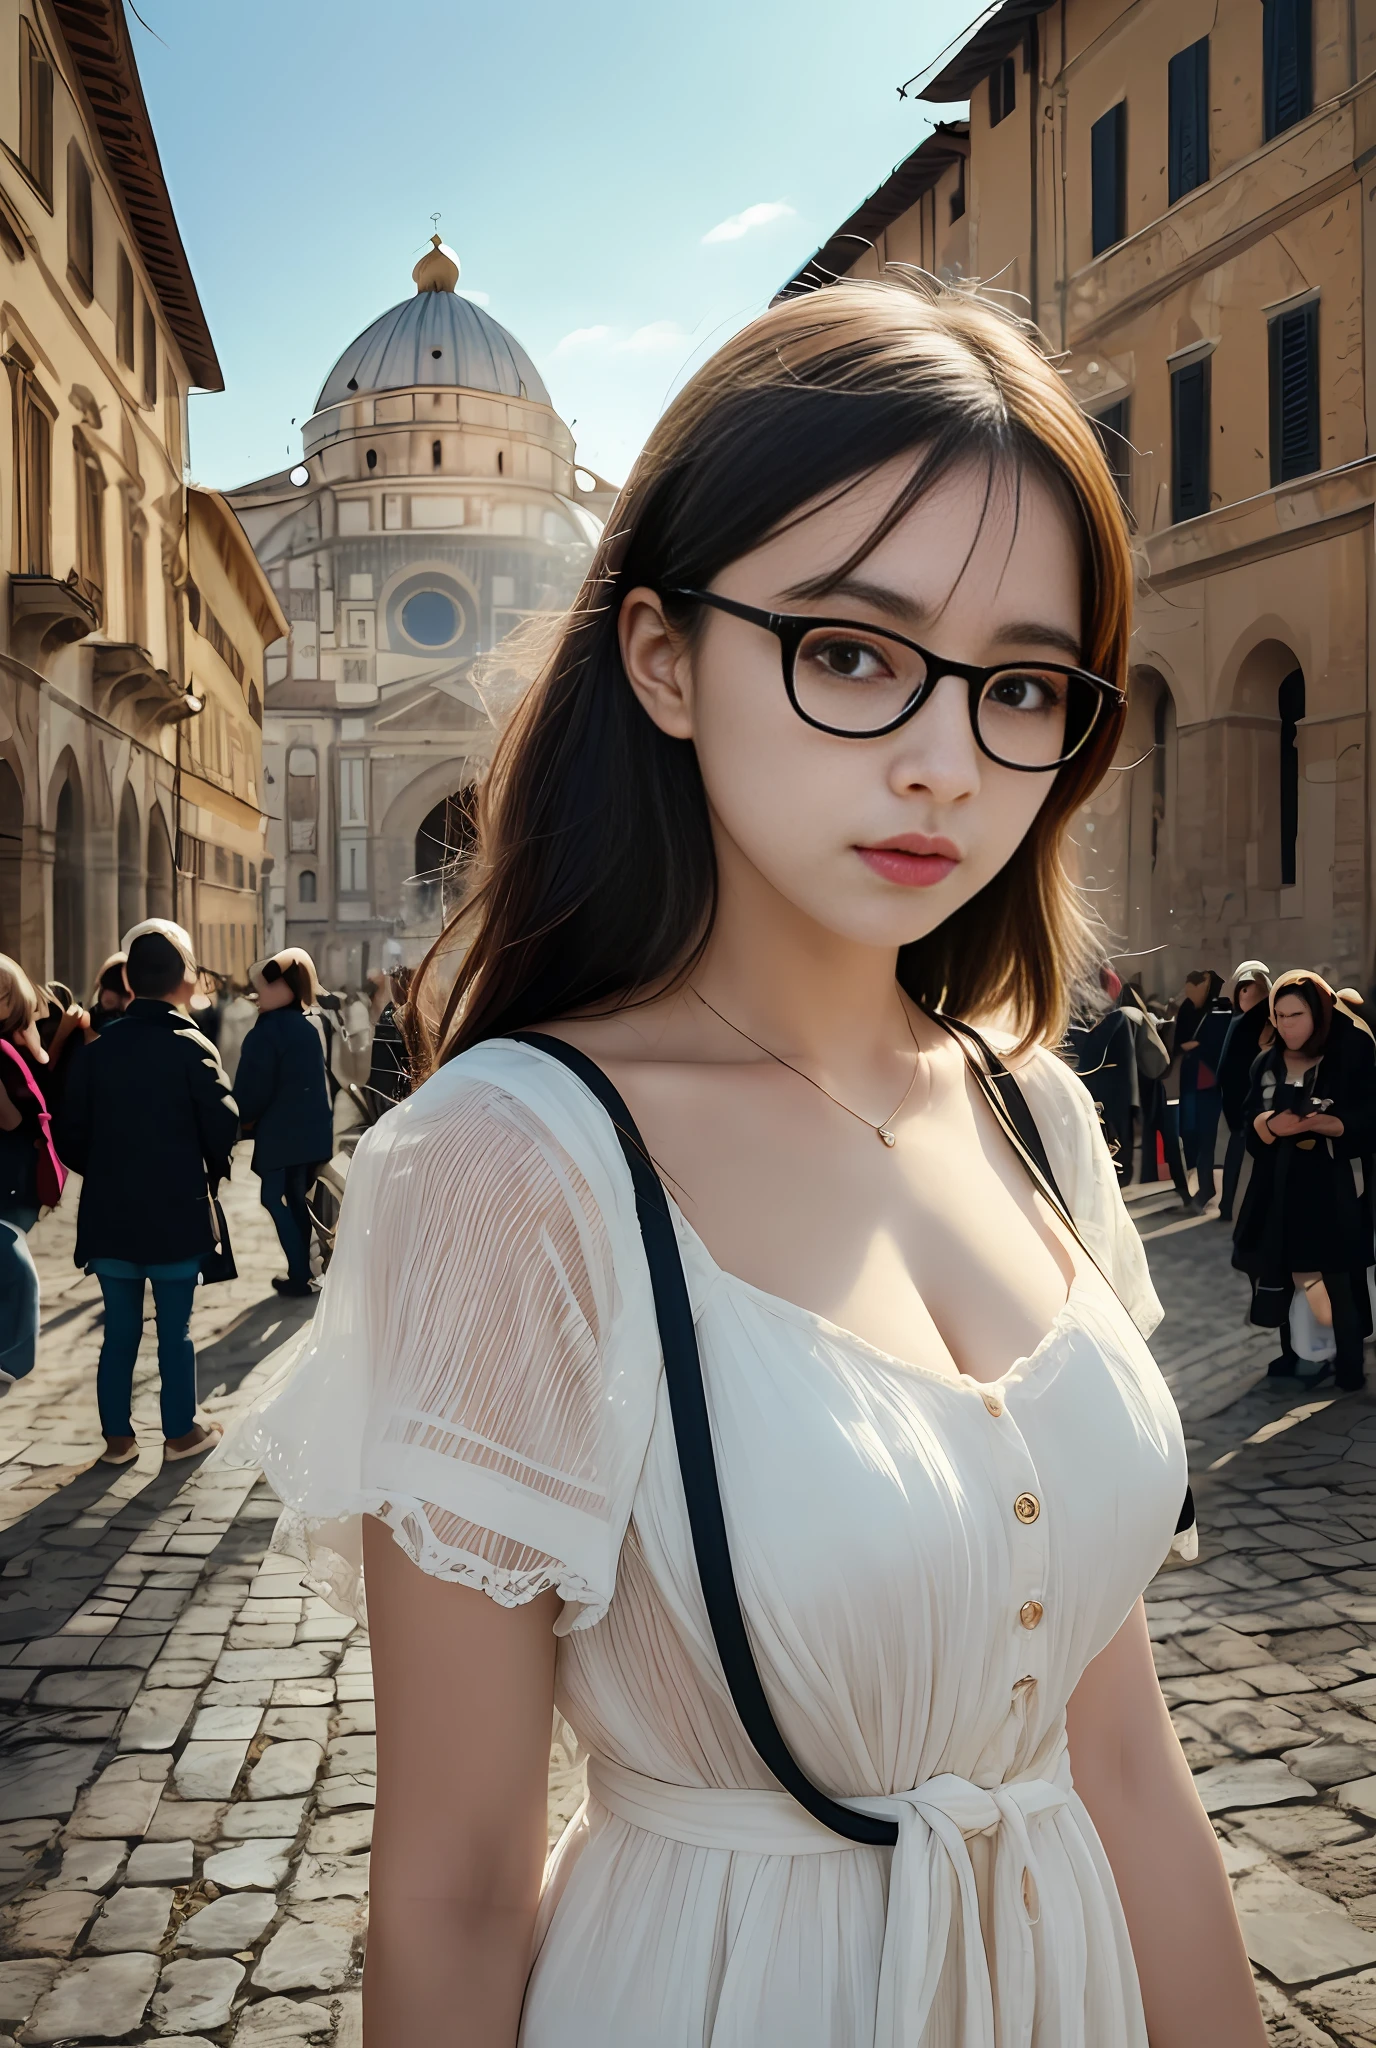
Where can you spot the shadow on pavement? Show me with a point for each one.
(223, 1366)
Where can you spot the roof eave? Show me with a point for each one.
(991, 36)
(904, 186)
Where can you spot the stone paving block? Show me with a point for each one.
(123, 1799)
(161, 1863)
(265, 1608)
(252, 1817)
(347, 1790)
(285, 1768)
(88, 1866)
(308, 1662)
(22, 1984)
(157, 1718)
(357, 1686)
(266, 1635)
(330, 1877)
(298, 1724)
(48, 1924)
(45, 1778)
(153, 1605)
(358, 1717)
(1270, 1679)
(175, 1819)
(1359, 1797)
(210, 1770)
(303, 1692)
(283, 2023)
(103, 1998)
(1333, 1763)
(15, 1683)
(1262, 1782)
(258, 1865)
(226, 1724)
(1348, 2005)
(58, 1653)
(196, 1994)
(333, 1628)
(135, 1917)
(342, 1834)
(1256, 1727)
(236, 1921)
(305, 1956)
(173, 1674)
(1297, 1830)
(1295, 1934)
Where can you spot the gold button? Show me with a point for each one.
(1027, 1507)
(992, 1403)
(1030, 1613)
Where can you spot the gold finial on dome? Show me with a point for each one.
(437, 270)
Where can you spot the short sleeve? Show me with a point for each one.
(470, 1377)
(1069, 1125)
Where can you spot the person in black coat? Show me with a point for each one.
(1251, 1022)
(284, 1101)
(1311, 1110)
(1103, 1053)
(148, 1121)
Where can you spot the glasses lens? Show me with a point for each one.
(1036, 717)
(854, 681)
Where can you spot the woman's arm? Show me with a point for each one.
(1132, 1775)
(465, 1704)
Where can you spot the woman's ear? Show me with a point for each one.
(656, 661)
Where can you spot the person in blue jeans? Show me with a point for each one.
(148, 1120)
(284, 1101)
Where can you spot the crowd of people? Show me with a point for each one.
(1288, 1066)
(144, 1092)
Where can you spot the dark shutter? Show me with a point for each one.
(1111, 426)
(1108, 177)
(1190, 440)
(1287, 50)
(1003, 91)
(1294, 340)
(1188, 83)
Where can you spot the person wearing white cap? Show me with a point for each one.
(1250, 986)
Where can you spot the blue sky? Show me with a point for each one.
(580, 158)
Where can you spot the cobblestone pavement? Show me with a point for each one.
(186, 1734)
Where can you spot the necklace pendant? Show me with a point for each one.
(887, 1137)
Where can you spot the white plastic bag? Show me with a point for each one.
(1308, 1337)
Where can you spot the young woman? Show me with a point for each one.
(30, 1174)
(743, 844)
(284, 1102)
(1311, 1109)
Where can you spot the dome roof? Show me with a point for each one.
(434, 338)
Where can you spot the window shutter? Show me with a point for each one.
(1190, 441)
(1108, 177)
(1287, 45)
(1294, 350)
(1188, 82)
(1111, 426)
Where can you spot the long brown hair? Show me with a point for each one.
(593, 879)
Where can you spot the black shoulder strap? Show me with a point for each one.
(1009, 1105)
(697, 1463)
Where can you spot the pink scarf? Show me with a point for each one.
(52, 1174)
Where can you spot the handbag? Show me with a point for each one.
(688, 1402)
(52, 1174)
(218, 1263)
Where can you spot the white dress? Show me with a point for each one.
(926, 1566)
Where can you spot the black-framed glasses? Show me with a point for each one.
(860, 682)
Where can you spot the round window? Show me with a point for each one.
(431, 619)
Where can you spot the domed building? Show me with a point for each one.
(438, 504)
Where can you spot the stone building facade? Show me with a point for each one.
(437, 506)
(1185, 201)
(101, 337)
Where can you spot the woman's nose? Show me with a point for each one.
(937, 749)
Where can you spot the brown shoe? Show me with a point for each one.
(205, 1439)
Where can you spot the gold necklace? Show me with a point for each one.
(883, 1131)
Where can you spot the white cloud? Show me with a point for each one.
(737, 224)
(477, 298)
(655, 338)
(581, 338)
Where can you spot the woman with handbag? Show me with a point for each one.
(729, 1345)
(1311, 1108)
(31, 1174)
(148, 1121)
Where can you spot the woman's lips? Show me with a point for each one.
(913, 863)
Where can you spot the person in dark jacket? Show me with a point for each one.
(284, 1102)
(112, 997)
(148, 1120)
(1251, 1023)
(22, 1113)
(1311, 1110)
(1200, 1030)
(1103, 1052)
(389, 1073)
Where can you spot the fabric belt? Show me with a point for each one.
(933, 1897)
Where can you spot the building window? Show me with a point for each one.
(1190, 440)
(150, 356)
(1188, 80)
(1002, 91)
(436, 453)
(1287, 58)
(305, 886)
(352, 776)
(33, 436)
(1294, 352)
(174, 424)
(90, 520)
(81, 252)
(1111, 426)
(353, 867)
(124, 310)
(1290, 704)
(958, 192)
(238, 871)
(371, 458)
(1108, 174)
(137, 609)
(302, 799)
(35, 111)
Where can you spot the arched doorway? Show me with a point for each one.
(446, 833)
(160, 890)
(130, 863)
(69, 887)
(1269, 694)
(11, 851)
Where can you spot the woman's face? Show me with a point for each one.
(273, 995)
(1294, 1021)
(877, 839)
(1250, 993)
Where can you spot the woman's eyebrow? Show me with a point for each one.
(911, 611)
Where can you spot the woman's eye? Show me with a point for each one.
(1027, 690)
(853, 661)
